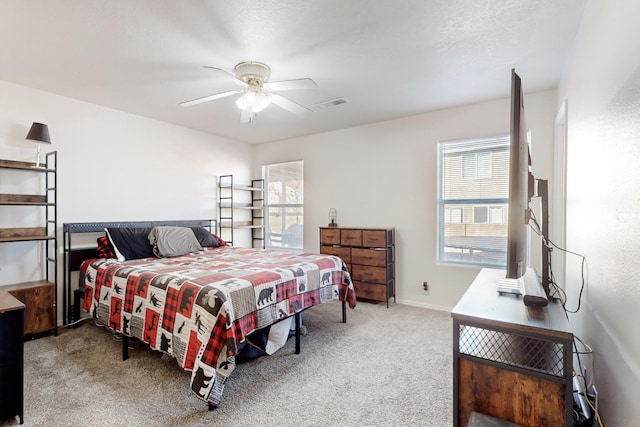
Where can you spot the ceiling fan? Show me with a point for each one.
(257, 92)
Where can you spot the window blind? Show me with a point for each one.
(473, 200)
(284, 200)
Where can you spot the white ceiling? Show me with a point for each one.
(389, 58)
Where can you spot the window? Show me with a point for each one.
(473, 196)
(476, 165)
(453, 215)
(284, 183)
(496, 215)
(484, 214)
(480, 214)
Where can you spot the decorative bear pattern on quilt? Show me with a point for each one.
(197, 307)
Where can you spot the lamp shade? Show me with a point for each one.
(39, 132)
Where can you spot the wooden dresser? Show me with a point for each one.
(370, 257)
(11, 356)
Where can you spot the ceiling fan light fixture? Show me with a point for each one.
(256, 100)
(257, 93)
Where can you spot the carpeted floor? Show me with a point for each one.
(385, 367)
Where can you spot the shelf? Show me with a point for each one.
(238, 224)
(24, 200)
(238, 227)
(39, 297)
(27, 166)
(240, 206)
(24, 234)
(228, 207)
(25, 239)
(25, 204)
(240, 187)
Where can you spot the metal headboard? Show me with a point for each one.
(74, 257)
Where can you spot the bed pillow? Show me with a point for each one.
(130, 243)
(104, 249)
(205, 238)
(173, 241)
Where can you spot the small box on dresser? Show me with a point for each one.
(369, 254)
(11, 357)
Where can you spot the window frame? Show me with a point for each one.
(296, 233)
(492, 252)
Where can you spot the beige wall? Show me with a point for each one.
(385, 175)
(602, 88)
(113, 166)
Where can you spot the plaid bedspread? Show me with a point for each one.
(197, 307)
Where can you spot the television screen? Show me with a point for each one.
(520, 185)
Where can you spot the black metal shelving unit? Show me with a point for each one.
(230, 203)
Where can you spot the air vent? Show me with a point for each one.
(330, 104)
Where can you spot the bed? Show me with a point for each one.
(198, 307)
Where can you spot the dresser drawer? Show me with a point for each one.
(349, 237)
(376, 258)
(370, 291)
(343, 253)
(370, 274)
(329, 236)
(374, 238)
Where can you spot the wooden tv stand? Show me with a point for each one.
(510, 361)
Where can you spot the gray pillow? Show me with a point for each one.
(173, 241)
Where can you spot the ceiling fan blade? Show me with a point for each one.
(296, 84)
(247, 115)
(229, 75)
(209, 98)
(289, 105)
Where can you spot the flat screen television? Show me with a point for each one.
(521, 183)
(521, 190)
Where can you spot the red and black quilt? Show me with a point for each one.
(197, 307)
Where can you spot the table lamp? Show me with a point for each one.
(40, 133)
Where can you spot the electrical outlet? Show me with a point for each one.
(425, 287)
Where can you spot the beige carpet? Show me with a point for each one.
(385, 367)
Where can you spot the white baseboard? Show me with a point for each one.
(422, 305)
